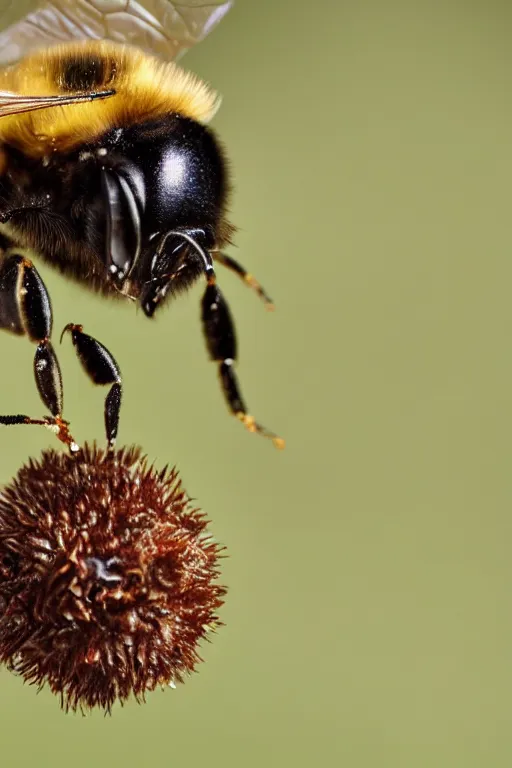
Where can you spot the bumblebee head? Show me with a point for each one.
(157, 178)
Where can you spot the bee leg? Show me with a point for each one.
(101, 367)
(248, 279)
(220, 337)
(25, 308)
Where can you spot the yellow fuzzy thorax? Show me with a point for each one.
(146, 88)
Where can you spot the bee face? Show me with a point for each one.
(119, 197)
(176, 173)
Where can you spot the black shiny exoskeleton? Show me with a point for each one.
(138, 212)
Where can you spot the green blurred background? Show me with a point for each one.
(368, 621)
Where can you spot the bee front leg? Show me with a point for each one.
(101, 367)
(219, 331)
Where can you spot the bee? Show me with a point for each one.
(110, 173)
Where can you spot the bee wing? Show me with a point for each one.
(161, 27)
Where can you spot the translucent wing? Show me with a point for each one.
(161, 27)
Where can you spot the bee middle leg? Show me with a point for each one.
(101, 368)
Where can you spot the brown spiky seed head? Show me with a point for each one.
(107, 576)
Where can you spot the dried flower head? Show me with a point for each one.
(107, 576)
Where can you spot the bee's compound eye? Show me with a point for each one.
(122, 235)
